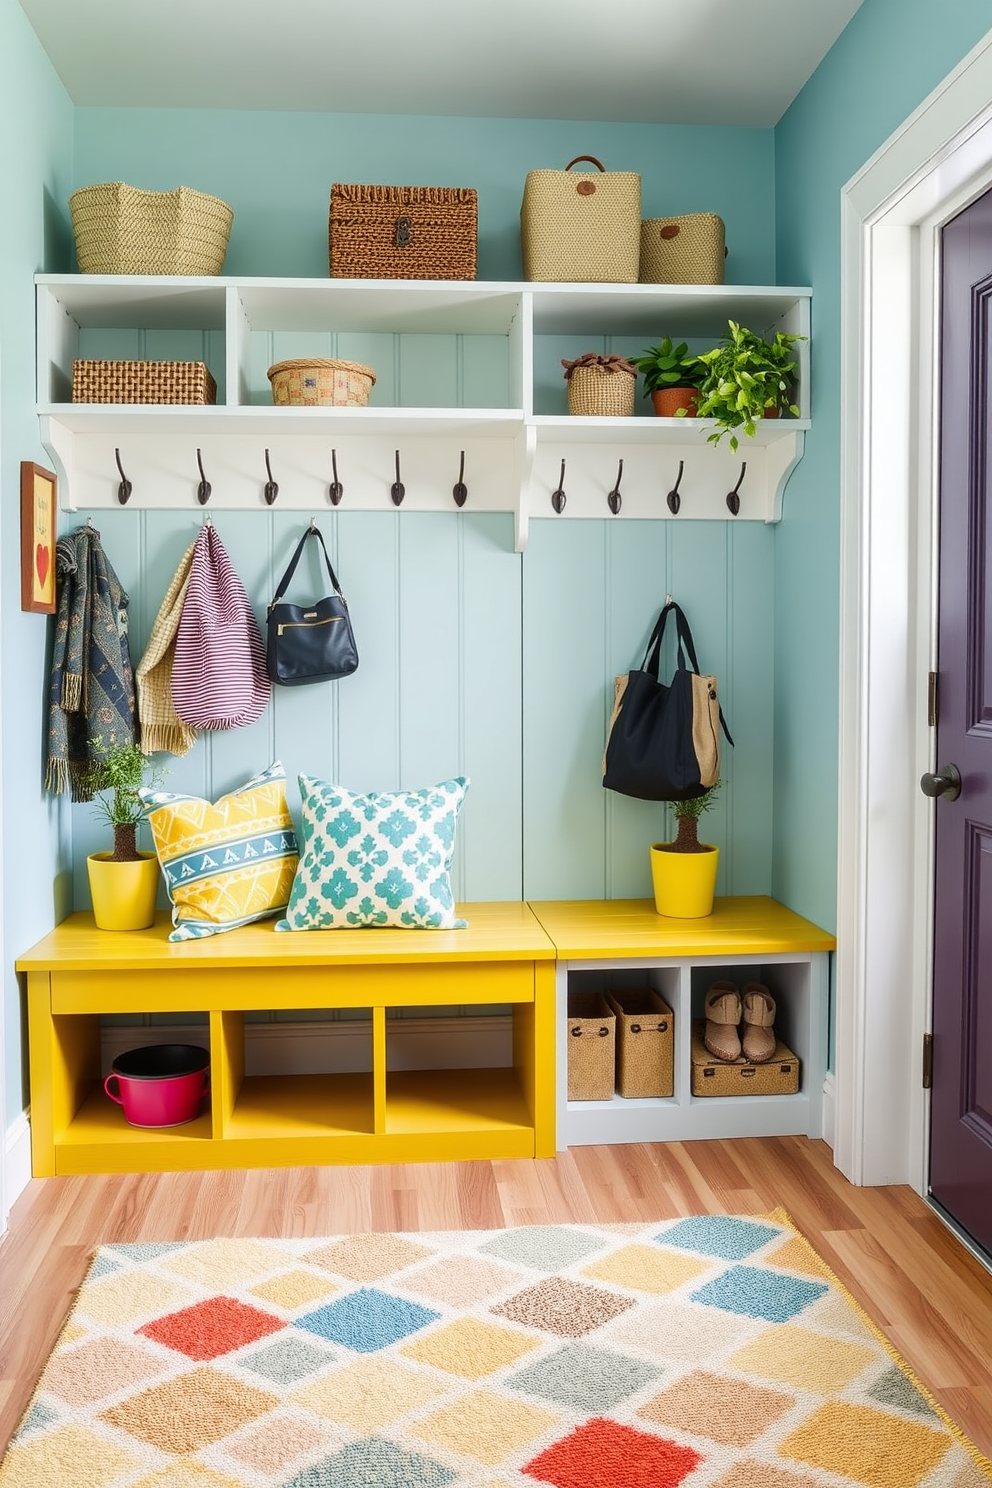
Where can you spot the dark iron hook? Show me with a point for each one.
(397, 490)
(673, 498)
(460, 490)
(204, 488)
(614, 499)
(271, 489)
(125, 488)
(336, 489)
(558, 497)
(733, 497)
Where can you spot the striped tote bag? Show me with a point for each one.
(219, 678)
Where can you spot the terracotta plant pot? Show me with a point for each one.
(668, 401)
(684, 883)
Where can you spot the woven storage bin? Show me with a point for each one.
(320, 382)
(780, 1076)
(121, 230)
(595, 390)
(591, 1047)
(682, 250)
(645, 1043)
(142, 382)
(582, 226)
(402, 232)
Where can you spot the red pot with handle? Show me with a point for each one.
(161, 1085)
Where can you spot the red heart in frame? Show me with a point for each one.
(42, 560)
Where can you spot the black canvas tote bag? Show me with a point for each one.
(663, 741)
(309, 643)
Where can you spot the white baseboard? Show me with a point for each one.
(829, 1107)
(307, 1048)
(16, 1162)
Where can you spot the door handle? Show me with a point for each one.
(946, 784)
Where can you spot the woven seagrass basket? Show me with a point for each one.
(601, 389)
(683, 250)
(645, 1043)
(402, 232)
(323, 382)
(122, 230)
(591, 1047)
(581, 227)
(142, 382)
(712, 1076)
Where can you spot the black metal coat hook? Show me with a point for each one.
(271, 488)
(733, 497)
(125, 488)
(204, 488)
(397, 490)
(460, 490)
(558, 497)
(673, 498)
(336, 489)
(614, 500)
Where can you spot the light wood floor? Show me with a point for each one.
(932, 1299)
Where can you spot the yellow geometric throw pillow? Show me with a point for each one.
(226, 863)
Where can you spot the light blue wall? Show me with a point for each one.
(891, 55)
(35, 160)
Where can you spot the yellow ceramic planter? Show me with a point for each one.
(684, 883)
(123, 894)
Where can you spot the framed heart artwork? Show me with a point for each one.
(38, 492)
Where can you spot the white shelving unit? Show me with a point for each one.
(498, 395)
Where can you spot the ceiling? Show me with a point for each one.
(643, 61)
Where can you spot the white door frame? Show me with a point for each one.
(890, 214)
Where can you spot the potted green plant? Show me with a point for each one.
(683, 872)
(671, 378)
(746, 378)
(124, 882)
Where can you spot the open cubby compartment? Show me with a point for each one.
(306, 1090)
(118, 318)
(667, 981)
(789, 984)
(436, 347)
(88, 1126)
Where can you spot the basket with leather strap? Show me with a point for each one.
(683, 250)
(402, 232)
(120, 229)
(591, 1047)
(582, 227)
(323, 382)
(142, 382)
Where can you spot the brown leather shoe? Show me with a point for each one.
(759, 1017)
(723, 1013)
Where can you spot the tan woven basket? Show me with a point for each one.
(683, 250)
(320, 382)
(142, 382)
(591, 1047)
(710, 1076)
(595, 390)
(402, 232)
(122, 230)
(645, 1043)
(582, 226)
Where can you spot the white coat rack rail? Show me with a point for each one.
(488, 431)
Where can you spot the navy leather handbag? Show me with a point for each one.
(309, 643)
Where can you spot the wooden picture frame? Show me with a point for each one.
(39, 488)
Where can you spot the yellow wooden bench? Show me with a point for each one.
(511, 954)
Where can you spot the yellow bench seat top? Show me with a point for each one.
(618, 929)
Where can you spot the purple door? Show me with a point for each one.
(961, 1109)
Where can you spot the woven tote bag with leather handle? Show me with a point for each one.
(582, 226)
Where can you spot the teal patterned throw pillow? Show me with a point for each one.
(375, 860)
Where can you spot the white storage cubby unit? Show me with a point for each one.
(623, 943)
(469, 385)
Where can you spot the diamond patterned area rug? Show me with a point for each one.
(694, 1353)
